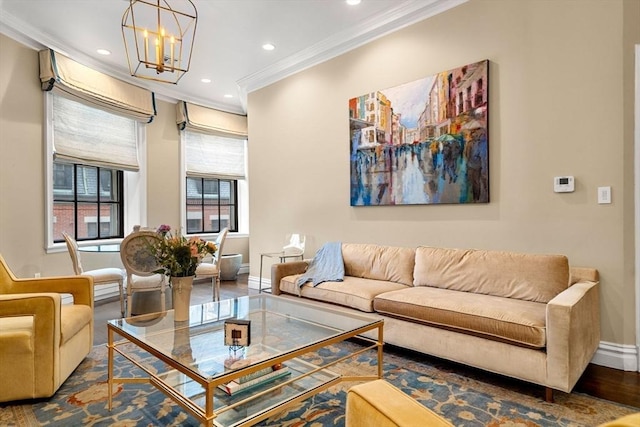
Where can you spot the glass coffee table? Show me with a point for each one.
(188, 361)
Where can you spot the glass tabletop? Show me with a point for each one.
(278, 326)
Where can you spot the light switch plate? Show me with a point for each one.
(604, 195)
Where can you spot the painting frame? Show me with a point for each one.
(423, 142)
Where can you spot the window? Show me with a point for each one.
(214, 177)
(87, 202)
(212, 204)
(92, 162)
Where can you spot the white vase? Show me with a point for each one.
(181, 292)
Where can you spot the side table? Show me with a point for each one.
(283, 258)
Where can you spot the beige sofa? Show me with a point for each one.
(527, 316)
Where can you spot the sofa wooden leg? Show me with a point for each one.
(548, 394)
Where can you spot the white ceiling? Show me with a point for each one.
(228, 39)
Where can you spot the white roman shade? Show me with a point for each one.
(61, 74)
(91, 136)
(196, 118)
(213, 156)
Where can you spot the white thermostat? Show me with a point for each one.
(563, 184)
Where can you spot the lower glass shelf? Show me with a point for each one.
(239, 408)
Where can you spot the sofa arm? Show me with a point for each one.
(284, 269)
(573, 333)
(41, 346)
(81, 287)
(584, 274)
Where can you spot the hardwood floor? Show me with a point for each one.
(611, 384)
(605, 383)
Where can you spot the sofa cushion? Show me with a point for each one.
(353, 292)
(529, 277)
(368, 261)
(504, 319)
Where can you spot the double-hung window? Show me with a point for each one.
(87, 201)
(215, 168)
(90, 153)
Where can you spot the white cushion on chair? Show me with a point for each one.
(206, 269)
(105, 275)
(147, 282)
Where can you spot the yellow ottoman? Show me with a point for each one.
(378, 403)
(632, 420)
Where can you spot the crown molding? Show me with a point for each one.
(405, 14)
(36, 39)
(14, 29)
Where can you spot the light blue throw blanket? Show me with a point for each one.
(326, 266)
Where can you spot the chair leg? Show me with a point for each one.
(217, 291)
(128, 302)
(121, 297)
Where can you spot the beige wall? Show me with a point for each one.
(558, 78)
(22, 193)
(561, 92)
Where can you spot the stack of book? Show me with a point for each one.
(254, 380)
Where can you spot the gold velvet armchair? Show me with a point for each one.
(42, 341)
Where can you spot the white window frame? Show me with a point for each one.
(135, 184)
(243, 196)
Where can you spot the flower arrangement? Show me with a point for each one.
(178, 255)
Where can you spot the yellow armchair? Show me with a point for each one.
(42, 341)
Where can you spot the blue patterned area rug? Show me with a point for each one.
(464, 396)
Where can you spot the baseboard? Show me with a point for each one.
(618, 356)
(254, 282)
(99, 293)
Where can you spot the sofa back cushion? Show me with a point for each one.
(528, 277)
(377, 262)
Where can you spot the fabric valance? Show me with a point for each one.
(59, 73)
(207, 120)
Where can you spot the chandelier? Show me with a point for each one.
(158, 38)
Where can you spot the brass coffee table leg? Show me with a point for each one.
(110, 365)
(380, 348)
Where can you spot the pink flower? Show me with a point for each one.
(164, 229)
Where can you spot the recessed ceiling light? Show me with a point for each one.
(268, 46)
(228, 95)
(205, 80)
(103, 52)
(353, 2)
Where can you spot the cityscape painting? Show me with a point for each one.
(423, 142)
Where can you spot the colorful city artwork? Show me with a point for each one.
(423, 142)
